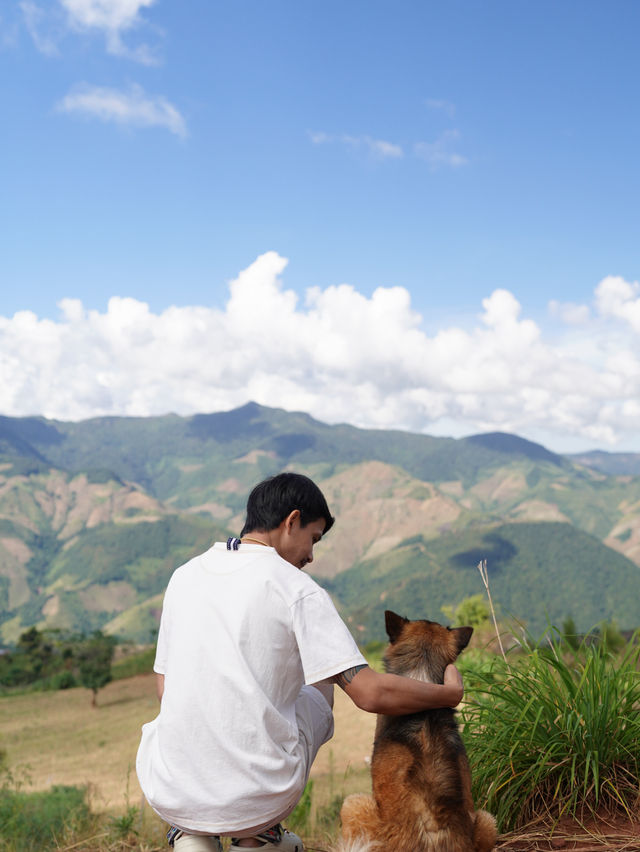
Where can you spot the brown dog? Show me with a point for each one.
(419, 770)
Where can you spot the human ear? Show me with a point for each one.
(291, 518)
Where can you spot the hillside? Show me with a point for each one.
(540, 574)
(186, 459)
(95, 515)
(77, 550)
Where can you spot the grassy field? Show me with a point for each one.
(60, 739)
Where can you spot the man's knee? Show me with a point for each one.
(325, 687)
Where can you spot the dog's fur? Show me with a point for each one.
(420, 774)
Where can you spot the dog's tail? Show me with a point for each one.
(357, 844)
(484, 831)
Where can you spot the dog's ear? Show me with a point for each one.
(394, 624)
(463, 635)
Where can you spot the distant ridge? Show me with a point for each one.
(290, 436)
(504, 442)
(613, 464)
(14, 437)
(96, 514)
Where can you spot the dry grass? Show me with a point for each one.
(64, 741)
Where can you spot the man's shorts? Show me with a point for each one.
(315, 727)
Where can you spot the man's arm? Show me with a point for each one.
(394, 695)
(159, 686)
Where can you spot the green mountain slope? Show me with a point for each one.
(76, 550)
(538, 572)
(95, 515)
(160, 453)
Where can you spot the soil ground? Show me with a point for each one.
(606, 834)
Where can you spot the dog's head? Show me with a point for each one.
(422, 649)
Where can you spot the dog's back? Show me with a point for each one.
(420, 775)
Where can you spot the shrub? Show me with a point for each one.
(34, 822)
(299, 819)
(123, 827)
(473, 611)
(139, 662)
(555, 733)
(63, 680)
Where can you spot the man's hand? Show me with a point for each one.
(395, 695)
(452, 677)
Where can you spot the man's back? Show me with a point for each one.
(241, 631)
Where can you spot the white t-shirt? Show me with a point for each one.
(241, 632)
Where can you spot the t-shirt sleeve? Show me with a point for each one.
(325, 644)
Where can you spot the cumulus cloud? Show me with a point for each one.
(377, 148)
(132, 107)
(618, 298)
(335, 353)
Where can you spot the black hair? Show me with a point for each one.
(272, 500)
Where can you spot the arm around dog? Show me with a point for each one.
(395, 695)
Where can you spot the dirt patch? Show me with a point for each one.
(217, 511)
(500, 488)
(253, 456)
(17, 548)
(606, 833)
(111, 597)
(14, 554)
(625, 536)
(539, 510)
(51, 607)
(378, 506)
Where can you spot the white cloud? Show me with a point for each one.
(108, 15)
(440, 153)
(569, 312)
(618, 298)
(437, 154)
(377, 148)
(39, 28)
(112, 18)
(48, 23)
(336, 353)
(132, 107)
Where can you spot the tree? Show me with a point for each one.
(94, 662)
(570, 633)
(472, 611)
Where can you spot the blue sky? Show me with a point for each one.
(475, 164)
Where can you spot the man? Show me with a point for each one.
(249, 648)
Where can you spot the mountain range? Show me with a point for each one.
(95, 515)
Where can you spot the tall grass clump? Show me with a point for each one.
(39, 821)
(556, 731)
